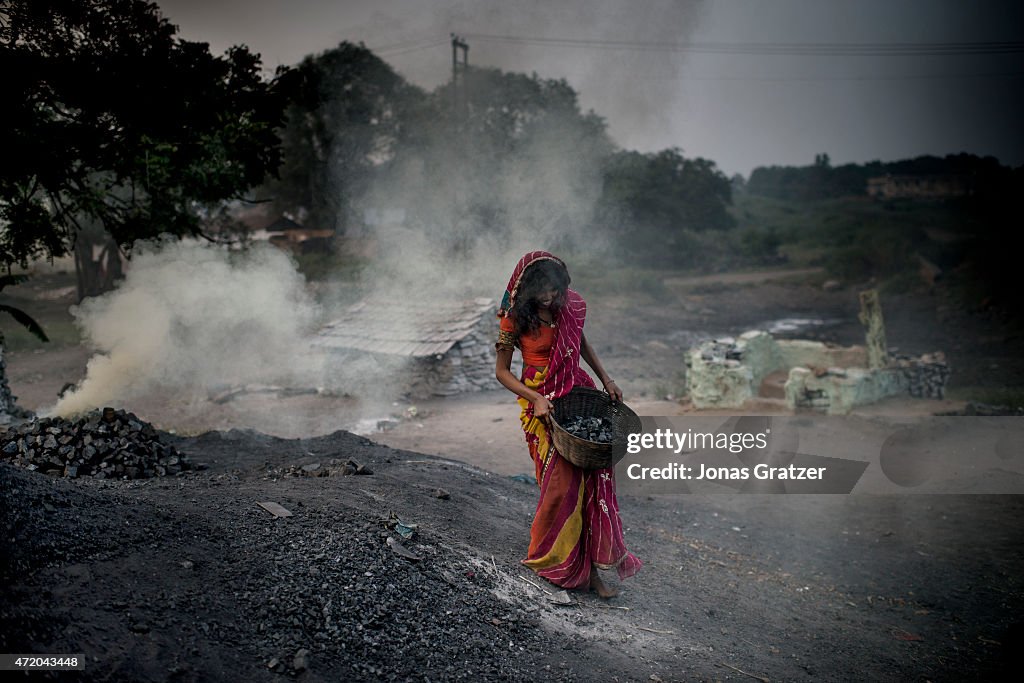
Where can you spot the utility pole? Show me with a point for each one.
(460, 117)
(460, 99)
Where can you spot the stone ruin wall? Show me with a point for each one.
(725, 373)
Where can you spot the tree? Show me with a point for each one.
(116, 130)
(114, 121)
(500, 154)
(665, 198)
(345, 113)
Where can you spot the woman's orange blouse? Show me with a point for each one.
(536, 346)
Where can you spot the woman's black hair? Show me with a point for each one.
(538, 278)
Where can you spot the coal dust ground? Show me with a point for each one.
(186, 578)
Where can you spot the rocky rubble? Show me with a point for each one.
(333, 467)
(107, 444)
(926, 375)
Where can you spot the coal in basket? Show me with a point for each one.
(587, 402)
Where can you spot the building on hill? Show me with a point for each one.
(934, 186)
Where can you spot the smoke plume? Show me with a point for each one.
(191, 319)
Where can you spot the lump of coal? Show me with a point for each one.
(597, 429)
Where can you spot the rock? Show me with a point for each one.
(561, 598)
(301, 661)
(831, 285)
(401, 550)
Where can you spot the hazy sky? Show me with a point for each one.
(740, 110)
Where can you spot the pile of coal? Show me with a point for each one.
(107, 444)
(597, 429)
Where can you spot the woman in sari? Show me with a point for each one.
(576, 528)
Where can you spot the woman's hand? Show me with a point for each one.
(542, 408)
(613, 390)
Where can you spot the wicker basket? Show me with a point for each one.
(588, 402)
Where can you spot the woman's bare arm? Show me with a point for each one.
(503, 373)
(588, 354)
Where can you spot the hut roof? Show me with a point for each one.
(282, 224)
(405, 328)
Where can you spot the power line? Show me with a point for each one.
(890, 77)
(397, 49)
(398, 46)
(414, 48)
(791, 49)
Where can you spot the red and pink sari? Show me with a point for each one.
(576, 524)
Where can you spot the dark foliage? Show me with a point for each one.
(112, 119)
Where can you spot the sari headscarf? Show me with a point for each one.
(564, 371)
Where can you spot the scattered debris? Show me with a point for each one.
(318, 469)
(404, 529)
(352, 467)
(900, 634)
(274, 509)
(532, 583)
(401, 550)
(561, 598)
(741, 671)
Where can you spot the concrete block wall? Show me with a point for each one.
(726, 372)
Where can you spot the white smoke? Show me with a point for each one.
(190, 319)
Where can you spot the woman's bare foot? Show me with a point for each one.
(599, 586)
